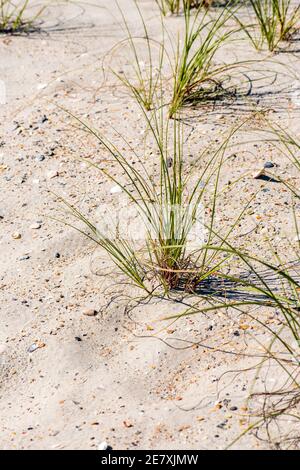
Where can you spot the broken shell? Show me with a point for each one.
(259, 174)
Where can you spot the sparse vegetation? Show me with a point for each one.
(175, 6)
(168, 203)
(197, 213)
(145, 77)
(16, 18)
(166, 6)
(196, 77)
(168, 209)
(275, 287)
(274, 21)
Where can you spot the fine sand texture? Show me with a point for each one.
(70, 379)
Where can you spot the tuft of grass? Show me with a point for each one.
(169, 6)
(275, 21)
(288, 17)
(169, 207)
(196, 77)
(175, 6)
(14, 17)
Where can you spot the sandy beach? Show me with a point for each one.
(84, 356)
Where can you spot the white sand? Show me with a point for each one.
(114, 385)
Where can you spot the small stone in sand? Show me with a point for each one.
(24, 258)
(115, 190)
(36, 346)
(41, 86)
(169, 162)
(35, 226)
(16, 236)
(90, 312)
(269, 165)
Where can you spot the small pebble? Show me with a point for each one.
(24, 258)
(36, 346)
(35, 226)
(16, 236)
(57, 255)
(90, 312)
(41, 86)
(32, 348)
(169, 162)
(269, 165)
(223, 424)
(115, 190)
(78, 338)
(40, 158)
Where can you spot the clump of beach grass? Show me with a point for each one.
(15, 17)
(169, 6)
(185, 74)
(196, 77)
(274, 21)
(168, 205)
(174, 7)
